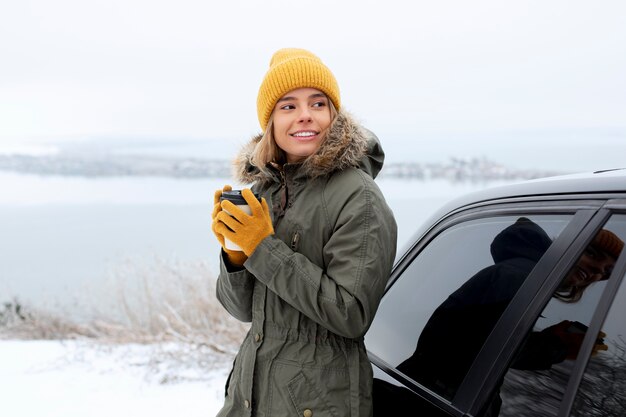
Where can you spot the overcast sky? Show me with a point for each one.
(191, 68)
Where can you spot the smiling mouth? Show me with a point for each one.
(587, 276)
(304, 135)
(584, 276)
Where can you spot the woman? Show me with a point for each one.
(595, 264)
(317, 250)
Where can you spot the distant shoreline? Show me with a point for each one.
(87, 166)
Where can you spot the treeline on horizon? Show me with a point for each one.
(94, 166)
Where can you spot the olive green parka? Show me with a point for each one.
(311, 290)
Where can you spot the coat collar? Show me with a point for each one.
(345, 146)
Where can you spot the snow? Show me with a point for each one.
(73, 378)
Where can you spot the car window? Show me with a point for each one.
(536, 382)
(434, 319)
(603, 389)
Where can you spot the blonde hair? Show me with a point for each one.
(267, 151)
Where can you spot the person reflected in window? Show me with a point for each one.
(595, 264)
(562, 341)
(458, 328)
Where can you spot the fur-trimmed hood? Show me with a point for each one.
(347, 144)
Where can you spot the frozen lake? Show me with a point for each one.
(64, 238)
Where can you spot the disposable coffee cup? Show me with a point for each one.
(237, 199)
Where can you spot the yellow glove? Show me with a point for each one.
(236, 258)
(216, 200)
(244, 230)
(599, 345)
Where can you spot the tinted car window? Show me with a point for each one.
(603, 389)
(434, 319)
(536, 382)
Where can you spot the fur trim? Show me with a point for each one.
(243, 170)
(344, 147)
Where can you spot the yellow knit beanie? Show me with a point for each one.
(292, 68)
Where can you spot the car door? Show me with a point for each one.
(455, 312)
(572, 362)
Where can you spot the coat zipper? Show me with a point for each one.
(283, 194)
(282, 206)
(294, 241)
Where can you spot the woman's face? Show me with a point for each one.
(300, 118)
(594, 265)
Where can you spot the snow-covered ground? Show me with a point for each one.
(83, 379)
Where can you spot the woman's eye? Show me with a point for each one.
(319, 104)
(288, 107)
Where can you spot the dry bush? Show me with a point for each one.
(167, 301)
(170, 305)
(159, 301)
(18, 321)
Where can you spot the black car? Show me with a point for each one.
(509, 302)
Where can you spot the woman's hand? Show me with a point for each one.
(217, 207)
(572, 337)
(236, 258)
(246, 231)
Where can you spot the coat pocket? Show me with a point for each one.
(309, 391)
(307, 399)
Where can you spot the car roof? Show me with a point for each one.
(605, 181)
(579, 185)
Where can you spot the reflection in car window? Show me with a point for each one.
(603, 388)
(433, 321)
(536, 382)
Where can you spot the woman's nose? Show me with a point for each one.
(305, 115)
(597, 272)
